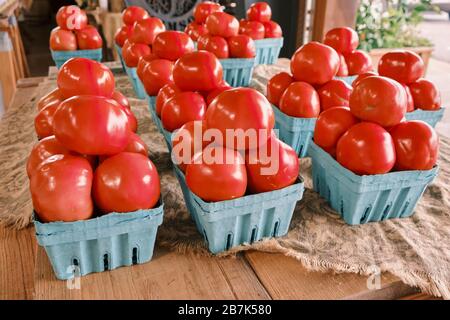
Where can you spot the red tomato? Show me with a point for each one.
(259, 11)
(198, 71)
(366, 149)
(343, 68)
(137, 145)
(213, 94)
(146, 30)
(214, 44)
(402, 65)
(182, 108)
(43, 122)
(425, 95)
(409, 99)
(164, 94)
(92, 125)
(132, 121)
(204, 9)
(157, 74)
(196, 30)
(81, 76)
(52, 97)
(172, 45)
(242, 46)
(61, 189)
(300, 100)
(62, 40)
(241, 109)
(315, 63)
(380, 100)
(89, 38)
(122, 34)
(276, 168)
(331, 125)
(277, 85)
(344, 40)
(133, 14)
(416, 144)
(71, 18)
(358, 62)
(143, 64)
(362, 76)
(224, 179)
(222, 24)
(272, 30)
(335, 93)
(133, 52)
(126, 182)
(121, 99)
(253, 29)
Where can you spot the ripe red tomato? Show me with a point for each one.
(81, 76)
(358, 62)
(259, 11)
(182, 108)
(343, 68)
(71, 18)
(164, 94)
(196, 30)
(416, 144)
(42, 150)
(172, 45)
(43, 122)
(362, 76)
(52, 97)
(157, 74)
(272, 30)
(122, 34)
(224, 179)
(409, 99)
(402, 65)
(300, 100)
(88, 38)
(121, 99)
(425, 95)
(133, 52)
(276, 168)
(214, 44)
(366, 149)
(133, 14)
(61, 189)
(146, 30)
(335, 93)
(344, 40)
(253, 29)
(242, 46)
(204, 9)
(92, 125)
(331, 125)
(62, 40)
(143, 64)
(132, 121)
(137, 145)
(380, 100)
(198, 71)
(214, 93)
(222, 24)
(315, 63)
(126, 182)
(277, 85)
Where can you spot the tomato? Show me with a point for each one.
(331, 125)
(143, 64)
(402, 65)
(300, 100)
(214, 44)
(42, 150)
(409, 99)
(122, 34)
(241, 109)
(121, 99)
(126, 182)
(416, 145)
(315, 63)
(172, 45)
(335, 93)
(272, 30)
(164, 94)
(242, 46)
(196, 30)
(259, 11)
(43, 122)
(133, 52)
(81, 76)
(157, 74)
(274, 167)
(62, 40)
(182, 108)
(358, 62)
(204, 9)
(146, 30)
(198, 71)
(61, 189)
(224, 179)
(89, 38)
(222, 24)
(137, 145)
(52, 97)
(277, 85)
(362, 76)
(253, 29)
(425, 95)
(132, 121)
(343, 68)
(214, 93)
(133, 14)
(344, 40)
(71, 18)
(92, 125)
(380, 100)
(366, 149)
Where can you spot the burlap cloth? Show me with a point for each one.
(417, 250)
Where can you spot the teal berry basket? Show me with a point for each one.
(119, 53)
(60, 57)
(152, 108)
(349, 80)
(99, 244)
(296, 132)
(268, 50)
(231, 223)
(238, 72)
(136, 82)
(364, 199)
(430, 117)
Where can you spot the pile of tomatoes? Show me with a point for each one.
(73, 31)
(89, 156)
(258, 24)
